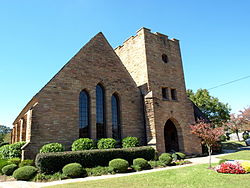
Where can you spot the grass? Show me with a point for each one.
(186, 177)
(232, 145)
(240, 155)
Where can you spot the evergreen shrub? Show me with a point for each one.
(83, 144)
(130, 141)
(9, 169)
(25, 173)
(74, 170)
(106, 143)
(54, 162)
(119, 165)
(52, 147)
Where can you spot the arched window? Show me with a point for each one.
(84, 115)
(116, 126)
(100, 113)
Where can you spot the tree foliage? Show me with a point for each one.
(4, 130)
(208, 134)
(246, 116)
(216, 111)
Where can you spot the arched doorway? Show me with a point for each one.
(171, 137)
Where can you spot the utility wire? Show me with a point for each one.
(229, 82)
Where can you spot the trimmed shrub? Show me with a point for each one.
(11, 150)
(155, 164)
(106, 143)
(3, 163)
(9, 169)
(119, 165)
(165, 158)
(52, 147)
(129, 142)
(25, 173)
(54, 162)
(83, 144)
(140, 164)
(15, 161)
(99, 170)
(74, 170)
(27, 162)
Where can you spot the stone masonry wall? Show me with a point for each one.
(56, 116)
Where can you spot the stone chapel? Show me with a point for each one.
(137, 89)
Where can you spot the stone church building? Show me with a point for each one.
(137, 89)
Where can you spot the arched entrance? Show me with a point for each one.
(171, 137)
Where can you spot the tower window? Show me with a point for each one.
(164, 58)
(164, 93)
(173, 94)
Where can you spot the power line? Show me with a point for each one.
(230, 82)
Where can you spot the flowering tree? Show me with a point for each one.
(208, 134)
(246, 115)
(237, 122)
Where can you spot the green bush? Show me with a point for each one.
(27, 162)
(129, 142)
(3, 162)
(222, 161)
(83, 144)
(54, 162)
(165, 158)
(74, 170)
(156, 164)
(223, 138)
(15, 160)
(52, 147)
(11, 150)
(180, 155)
(119, 165)
(99, 170)
(106, 143)
(25, 173)
(9, 169)
(140, 164)
(245, 136)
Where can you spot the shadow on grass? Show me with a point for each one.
(232, 145)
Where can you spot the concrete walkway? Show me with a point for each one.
(24, 184)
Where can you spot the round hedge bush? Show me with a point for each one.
(83, 144)
(74, 170)
(165, 158)
(180, 155)
(9, 169)
(52, 147)
(27, 162)
(25, 173)
(106, 143)
(140, 164)
(119, 165)
(129, 142)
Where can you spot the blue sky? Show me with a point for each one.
(38, 37)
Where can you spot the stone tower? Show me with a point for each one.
(155, 64)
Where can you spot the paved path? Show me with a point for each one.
(24, 184)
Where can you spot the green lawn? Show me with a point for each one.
(193, 177)
(240, 155)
